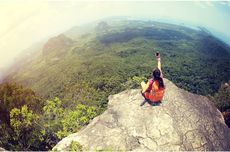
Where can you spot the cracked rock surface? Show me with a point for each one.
(182, 122)
(2, 149)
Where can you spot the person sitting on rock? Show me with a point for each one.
(153, 90)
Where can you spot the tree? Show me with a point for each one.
(222, 97)
(23, 122)
(76, 119)
(19, 111)
(59, 123)
(15, 96)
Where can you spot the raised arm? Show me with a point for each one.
(159, 62)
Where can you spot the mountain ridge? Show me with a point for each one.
(124, 42)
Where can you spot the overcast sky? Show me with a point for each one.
(25, 22)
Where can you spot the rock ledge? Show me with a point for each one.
(184, 121)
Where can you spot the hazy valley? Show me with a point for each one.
(77, 70)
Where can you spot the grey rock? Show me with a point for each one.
(2, 149)
(183, 121)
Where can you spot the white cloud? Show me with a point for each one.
(205, 4)
(225, 3)
(209, 3)
(200, 4)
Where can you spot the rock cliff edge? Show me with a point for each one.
(183, 121)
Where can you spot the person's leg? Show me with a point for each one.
(143, 102)
(154, 103)
(143, 84)
(145, 95)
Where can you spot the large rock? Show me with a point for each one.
(184, 121)
(1, 149)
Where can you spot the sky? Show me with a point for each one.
(26, 22)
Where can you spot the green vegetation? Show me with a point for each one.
(20, 109)
(75, 146)
(103, 60)
(75, 74)
(222, 101)
(222, 97)
(27, 129)
(23, 122)
(63, 122)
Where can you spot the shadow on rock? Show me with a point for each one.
(151, 103)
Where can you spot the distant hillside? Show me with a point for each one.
(56, 48)
(104, 57)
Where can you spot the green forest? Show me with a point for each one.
(60, 89)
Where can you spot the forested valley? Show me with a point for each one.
(67, 83)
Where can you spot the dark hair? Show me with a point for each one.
(157, 76)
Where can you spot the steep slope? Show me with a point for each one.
(184, 121)
(57, 47)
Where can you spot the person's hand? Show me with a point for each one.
(157, 55)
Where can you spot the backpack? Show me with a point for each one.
(156, 94)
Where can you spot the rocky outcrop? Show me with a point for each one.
(183, 121)
(1, 149)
